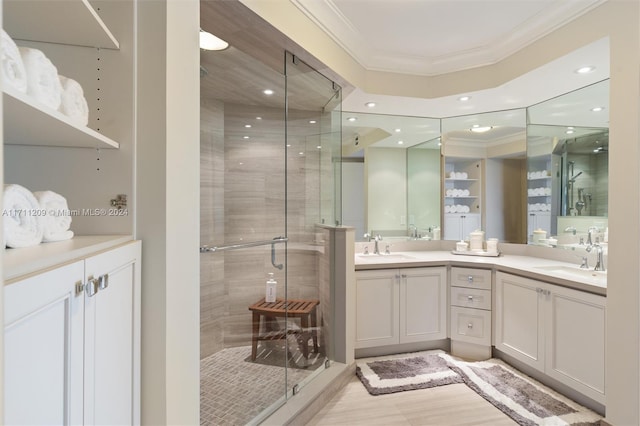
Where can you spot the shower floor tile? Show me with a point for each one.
(234, 391)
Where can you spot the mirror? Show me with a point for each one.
(378, 177)
(567, 175)
(485, 175)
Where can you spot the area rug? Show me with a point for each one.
(397, 373)
(525, 400)
(520, 397)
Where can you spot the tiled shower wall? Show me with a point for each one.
(243, 199)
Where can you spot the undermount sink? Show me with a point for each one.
(382, 256)
(574, 271)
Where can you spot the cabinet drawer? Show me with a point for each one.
(471, 298)
(472, 278)
(471, 325)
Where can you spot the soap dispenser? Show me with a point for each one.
(270, 295)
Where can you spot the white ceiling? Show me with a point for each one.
(429, 37)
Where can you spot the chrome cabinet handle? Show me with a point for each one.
(103, 281)
(470, 297)
(470, 325)
(470, 278)
(92, 287)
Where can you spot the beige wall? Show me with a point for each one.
(167, 211)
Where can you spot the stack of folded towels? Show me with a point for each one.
(31, 218)
(532, 192)
(29, 71)
(458, 175)
(538, 175)
(455, 192)
(539, 207)
(456, 208)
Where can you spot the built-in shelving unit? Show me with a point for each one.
(462, 194)
(29, 123)
(539, 195)
(74, 36)
(72, 22)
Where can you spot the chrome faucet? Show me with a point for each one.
(599, 256)
(413, 231)
(377, 238)
(589, 232)
(571, 229)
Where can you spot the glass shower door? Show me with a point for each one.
(243, 239)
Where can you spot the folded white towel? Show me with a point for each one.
(452, 175)
(13, 71)
(464, 175)
(465, 192)
(56, 219)
(43, 83)
(73, 104)
(454, 209)
(22, 217)
(449, 193)
(447, 209)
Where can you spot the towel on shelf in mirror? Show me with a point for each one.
(14, 73)
(43, 84)
(23, 225)
(57, 220)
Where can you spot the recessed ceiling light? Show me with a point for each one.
(464, 98)
(319, 147)
(439, 143)
(267, 92)
(398, 130)
(351, 119)
(301, 153)
(585, 70)
(569, 132)
(597, 109)
(400, 142)
(312, 121)
(245, 137)
(570, 127)
(479, 129)
(288, 145)
(247, 125)
(370, 104)
(210, 42)
(476, 125)
(258, 118)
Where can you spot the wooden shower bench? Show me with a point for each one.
(305, 309)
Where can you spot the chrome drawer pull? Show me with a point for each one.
(470, 325)
(103, 281)
(470, 297)
(470, 278)
(92, 287)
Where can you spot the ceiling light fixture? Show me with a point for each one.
(247, 126)
(210, 42)
(398, 130)
(312, 121)
(478, 129)
(585, 70)
(258, 118)
(400, 142)
(597, 109)
(268, 92)
(370, 104)
(569, 132)
(245, 137)
(464, 98)
(351, 119)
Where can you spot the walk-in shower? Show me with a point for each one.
(269, 176)
(584, 171)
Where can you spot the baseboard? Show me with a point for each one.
(443, 344)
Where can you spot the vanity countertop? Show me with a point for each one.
(555, 272)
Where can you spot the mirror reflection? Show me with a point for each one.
(568, 143)
(378, 177)
(484, 175)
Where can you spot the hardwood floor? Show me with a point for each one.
(444, 405)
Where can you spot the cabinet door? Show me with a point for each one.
(452, 227)
(470, 223)
(519, 318)
(377, 315)
(112, 339)
(575, 340)
(423, 304)
(43, 350)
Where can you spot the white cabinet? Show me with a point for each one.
(459, 226)
(557, 330)
(395, 306)
(470, 322)
(72, 342)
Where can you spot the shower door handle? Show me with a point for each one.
(273, 242)
(273, 251)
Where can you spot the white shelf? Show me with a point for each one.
(73, 22)
(19, 262)
(26, 122)
(469, 196)
(460, 180)
(542, 178)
